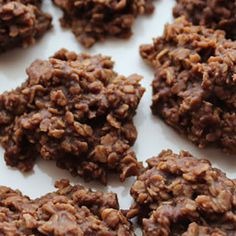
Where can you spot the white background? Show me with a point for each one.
(153, 134)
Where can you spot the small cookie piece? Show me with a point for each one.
(76, 110)
(182, 195)
(195, 82)
(217, 14)
(94, 20)
(72, 210)
(21, 23)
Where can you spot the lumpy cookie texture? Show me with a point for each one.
(71, 210)
(76, 110)
(195, 82)
(216, 14)
(21, 23)
(178, 194)
(94, 20)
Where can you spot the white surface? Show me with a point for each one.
(154, 135)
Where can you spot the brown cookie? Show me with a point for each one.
(71, 210)
(22, 22)
(76, 110)
(216, 14)
(194, 85)
(181, 195)
(94, 20)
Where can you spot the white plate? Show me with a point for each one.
(153, 134)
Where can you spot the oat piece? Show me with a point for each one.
(72, 210)
(21, 23)
(195, 82)
(216, 14)
(94, 20)
(182, 195)
(76, 110)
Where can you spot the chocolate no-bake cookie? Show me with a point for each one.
(195, 83)
(76, 110)
(21, 23)
(216, 14)
(179, 195)
(94, 20)
(72, 211)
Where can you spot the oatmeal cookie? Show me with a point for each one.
(195, 82)
(72, 210)
(216, 14)
(181, 195)
(94, 20)
(21, 23)
(76, 110)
